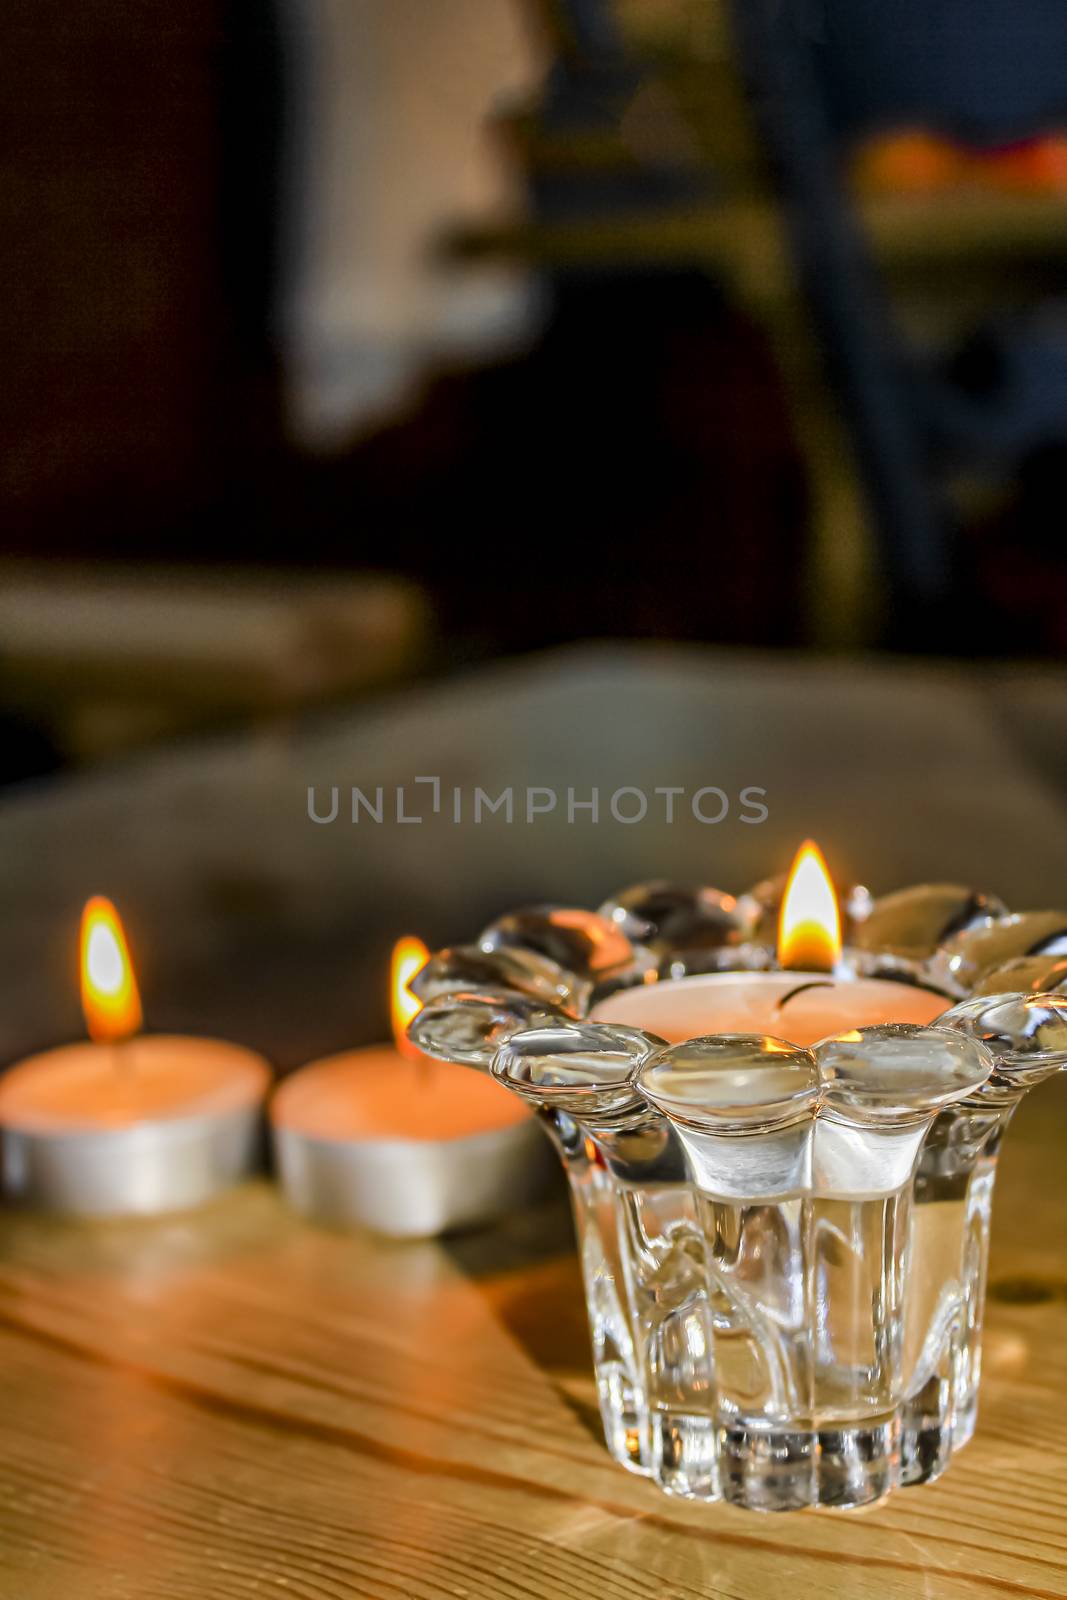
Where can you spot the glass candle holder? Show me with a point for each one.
(783, 1248)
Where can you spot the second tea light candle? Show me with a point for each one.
(385, 1138)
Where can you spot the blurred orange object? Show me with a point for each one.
(1035, 164)
(913, 161)
(910, 161)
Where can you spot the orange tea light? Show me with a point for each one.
(125, 1122)
(386, 1138)
(808, 1000)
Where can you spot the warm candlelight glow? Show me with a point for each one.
(110, 1000)
(776, 1047)
(409, 957)
(809, 928)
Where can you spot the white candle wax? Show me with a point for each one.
(157, 1123)
(85, 1086)
(407, 1146)
(377, 1093)
(802, 1007)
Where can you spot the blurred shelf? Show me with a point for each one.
(744, 236)
(115, 658)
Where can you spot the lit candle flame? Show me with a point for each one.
(409, 957)
(110, 999)
(809, 927)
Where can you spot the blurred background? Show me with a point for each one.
(353, 346)
(349, 340)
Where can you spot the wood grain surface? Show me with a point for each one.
(234, 1403)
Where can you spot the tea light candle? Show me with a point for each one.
(121, 1124)
(386, 1138)
(802, 1006)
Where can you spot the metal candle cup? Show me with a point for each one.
(159, 1124)
(385, 1138)
(123, 1123)
(343, 1163)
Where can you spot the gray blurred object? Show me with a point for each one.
(251, 921)
(387, 103)
(111, 658)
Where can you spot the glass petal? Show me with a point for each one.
(962, 959)
(914, 922)
(668, 917)
(470, 1028)
(578, 1069)
(582, 942)
(731, 1080)
(468, 967)
(1021, 1030)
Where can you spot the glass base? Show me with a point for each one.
(685, 1455)
(780, 1469)
(788, 1469)
(770, 1469)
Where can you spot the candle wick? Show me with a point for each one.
(818, 983)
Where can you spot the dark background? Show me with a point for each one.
(797, 378)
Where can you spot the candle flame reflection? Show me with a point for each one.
(809, 926)
(409, 957)
(776, 1047)
(110, 998)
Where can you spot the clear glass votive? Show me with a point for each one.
(746, 1259)
(784, 1249)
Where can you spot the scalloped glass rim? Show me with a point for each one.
(657, 966)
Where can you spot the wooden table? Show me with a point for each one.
(233, 1404)
(236, 1404)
